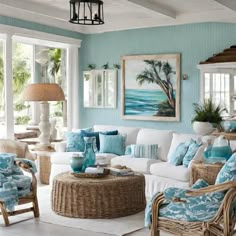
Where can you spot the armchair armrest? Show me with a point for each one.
(211, 188)
(61, 146)
(26, 165)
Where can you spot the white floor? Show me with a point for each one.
(35, 228)
(26, 225)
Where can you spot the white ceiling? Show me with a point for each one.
(124, 14)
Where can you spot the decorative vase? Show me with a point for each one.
(76, 163)
(89, 154)
(203, 128)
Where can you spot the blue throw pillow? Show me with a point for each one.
(75, 142)
(6, 163)
(192, 149)
(228, 171)
(112, 144)
(128, 150)
(179, 153)
(144, 150)
(96, 135)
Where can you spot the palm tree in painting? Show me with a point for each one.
(151, 74)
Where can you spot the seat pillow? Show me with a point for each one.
(167, 170)
(136, 164)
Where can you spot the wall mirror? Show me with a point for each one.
(100, 88)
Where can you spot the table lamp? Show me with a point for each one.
(43, 92)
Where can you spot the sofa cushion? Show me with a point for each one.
(144, 150)
(179, 153)
(75, 142)
(192, 150)
(165, 169)
(131, 132)
(153, 136)
(180, 138)
(112, 144)
(136, 164)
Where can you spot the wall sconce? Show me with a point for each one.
(185, 76)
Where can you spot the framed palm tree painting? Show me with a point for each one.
(151, 87)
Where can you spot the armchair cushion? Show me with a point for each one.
(13, 184)
(228, 171)
(6, 163)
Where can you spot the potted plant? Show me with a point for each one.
(207, 117)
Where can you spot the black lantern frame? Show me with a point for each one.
(86, 12)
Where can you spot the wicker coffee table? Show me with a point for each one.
(107, 197)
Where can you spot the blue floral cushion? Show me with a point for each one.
(6, 163)
(192, 149)
(228, 171)
(112, 144)
(202, 208)
(179, 153)
(144, 150)
(74, 142)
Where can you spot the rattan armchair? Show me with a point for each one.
(222, 224)
(29, 198)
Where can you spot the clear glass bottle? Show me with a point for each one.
(89, 154)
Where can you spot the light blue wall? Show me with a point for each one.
(195, 42)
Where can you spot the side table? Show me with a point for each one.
(206, 171)
(44, 165)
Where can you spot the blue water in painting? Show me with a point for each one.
(142, 102)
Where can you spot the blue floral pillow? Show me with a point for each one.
(228, 171)
(179, 153)
(75, 142)
(192, 149)
(6, 163)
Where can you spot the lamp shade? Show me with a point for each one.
(43, 92)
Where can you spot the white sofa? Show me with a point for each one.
(159, 174)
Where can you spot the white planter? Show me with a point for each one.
(203, 128)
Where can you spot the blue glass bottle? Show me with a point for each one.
(89, 154)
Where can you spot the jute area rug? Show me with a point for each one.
(117, 226)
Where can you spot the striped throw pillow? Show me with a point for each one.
(144, 151)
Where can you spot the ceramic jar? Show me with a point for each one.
(76, 163)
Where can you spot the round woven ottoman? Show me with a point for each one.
(107, 197)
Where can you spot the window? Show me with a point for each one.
(219, 84)
(2, 93)
(18, 67)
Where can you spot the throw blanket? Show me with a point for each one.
(13, 183)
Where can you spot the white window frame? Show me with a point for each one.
(226, 68)
(10, 33)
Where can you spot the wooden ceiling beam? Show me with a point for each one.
(231, 4)
(155, 7)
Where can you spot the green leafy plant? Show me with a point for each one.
(208, 112)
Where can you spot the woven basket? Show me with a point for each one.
(107, 197)
(208, 172)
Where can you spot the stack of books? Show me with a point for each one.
(120, 171)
